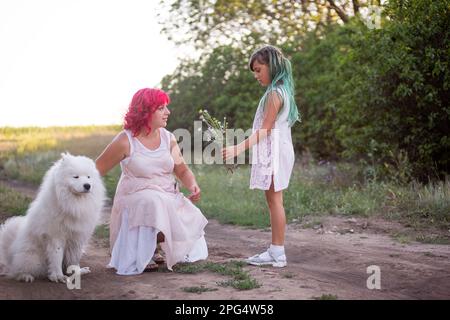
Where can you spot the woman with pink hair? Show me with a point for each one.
(148, 207)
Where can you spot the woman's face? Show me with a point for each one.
(159, 117)
(261, 73)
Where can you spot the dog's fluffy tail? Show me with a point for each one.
(8, 233)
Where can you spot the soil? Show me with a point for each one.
(330, 258)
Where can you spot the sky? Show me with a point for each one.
(65, 62)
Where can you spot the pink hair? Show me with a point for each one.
(142, 106)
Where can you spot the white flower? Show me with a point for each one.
(207, 136)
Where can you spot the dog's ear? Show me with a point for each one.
(65, 155)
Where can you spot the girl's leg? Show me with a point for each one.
(277, 215)
(275, 255)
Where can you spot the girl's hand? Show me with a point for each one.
(230, 152)
(195, 193)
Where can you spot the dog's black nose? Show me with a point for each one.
(87, 186)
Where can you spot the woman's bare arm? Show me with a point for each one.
(117, 150)
(183, 173)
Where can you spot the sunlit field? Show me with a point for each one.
(315, 190)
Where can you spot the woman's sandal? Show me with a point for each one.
(158, 258)
(151, 266)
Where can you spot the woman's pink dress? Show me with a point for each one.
(148, 201)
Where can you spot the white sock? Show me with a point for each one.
(276, 250)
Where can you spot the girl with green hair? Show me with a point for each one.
(271, 142)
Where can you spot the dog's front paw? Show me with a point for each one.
(26, 277)
(85, 270)
(54, 277)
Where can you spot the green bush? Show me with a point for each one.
(394, 111)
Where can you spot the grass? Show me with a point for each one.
(189, 268)
(424, 205)
(102, 231)
(240, 280)
(198, 290)
(303, 198)
(432, 239)
(405, 238)
(402, 238)
(311, 194)
(315, 190)
(220, 191)
(288, 275)
(27, 153)
(12, 203)
(243, 284)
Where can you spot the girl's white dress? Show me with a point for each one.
(273, 155)
(148, 201)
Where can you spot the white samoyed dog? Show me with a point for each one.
(58, 223)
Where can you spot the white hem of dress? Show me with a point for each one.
(134, 248)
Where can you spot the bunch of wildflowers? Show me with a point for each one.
(216, 132)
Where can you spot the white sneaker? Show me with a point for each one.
(266, 258)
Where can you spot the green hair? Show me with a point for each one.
(280, 74)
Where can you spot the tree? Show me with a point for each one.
(209, 23)
(222, 84)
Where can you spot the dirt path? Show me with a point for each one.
(332, 260)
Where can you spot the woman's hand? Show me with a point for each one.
(195, 193)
